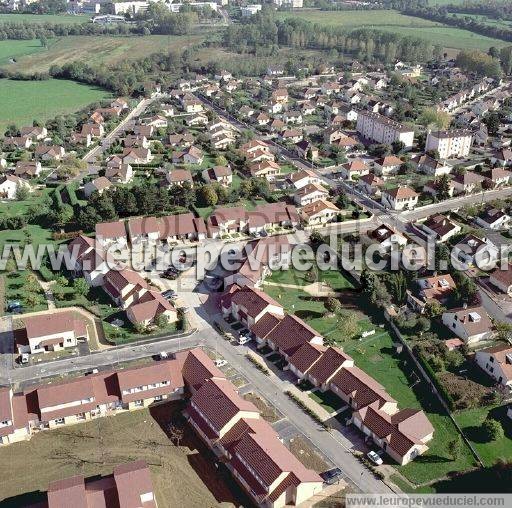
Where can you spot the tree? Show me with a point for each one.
(43, 41)
(80, 286)
(492, 429)
(22, 192)
(454, 447)
(397, 146)
(161, 321)
(62, 281)
(444, 187)
(432, 117)
(208, 196)
(332, 305)
(348, 325)
(70, 167)
(503, 331)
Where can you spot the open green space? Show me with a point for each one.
(375, 355)
(328, 400)
(181, 475)
(393, 21)
(31, 57)
(471, 419)
(25, 101)
(337, 280)
(54, 19)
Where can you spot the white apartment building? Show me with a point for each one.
(381, 129)
(450, 143)
(295, 4)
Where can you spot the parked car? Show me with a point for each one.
(375, 458)
(24, 358)
(12, 306)
(332, 476)
(244, 339)
(163, 355)
(220, 362)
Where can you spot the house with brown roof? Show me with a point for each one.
(120, 174)
(183, 226)
(498, 176)
(150, 306)
(493, 218)
(427, 290)
(197, 368)
(218, 174)
(319, 212)
(440, 227)
(471, 324)
(467, 182)
(133, 155)
(269, 216)
(34, 132)
(99, 185)
(108, 233)
(190, 155)
(50, 332)
(403, 435)
(178, 177)
(353, 169)
(310, 193)
(124, 286)
(399, 198)
(388, 238)
(265, 169)
(502, 279)
(497, 362)
(17, 142)
(27, 169)
(388, 165)
(248, 305)
(370, 184)
(143, 230)
(92, 129)
(129, 486)
(49, 153)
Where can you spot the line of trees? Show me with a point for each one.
(262, 34)
(466, 23)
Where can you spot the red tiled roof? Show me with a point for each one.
(291, 333)
(328, 364)
(306, 356)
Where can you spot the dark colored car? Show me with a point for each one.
(332, 476)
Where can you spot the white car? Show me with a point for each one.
(24, 358)
(375, 458)
(244, 339)
(220, 362)
(163, 355)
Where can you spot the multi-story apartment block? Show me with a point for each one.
(450, 143)
(381, 129)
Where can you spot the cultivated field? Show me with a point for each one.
(30, 57)
(179, 473)
(25, 101)
(393, 21)
(61, 19)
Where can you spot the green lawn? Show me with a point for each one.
(54, 19)
(328, 400)
(15, 49)
(393, 21)
(375, 355)
(337, 280)
(31, 57)
(25, 101)
(470, 421)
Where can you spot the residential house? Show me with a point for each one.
(467, 182)
(354, 169)
(190, 155)
(319, 212)
(310, 193)
(299, 179)
(265, 169)
(137, 156)
(502, 279)
(388, 238)
(496, 361)
(108, 233)
(50, 332)
(493, 218)
(49, 153)
(9, 185)
(218, 174)
(399, 198)
(179, 177)
(98, 185)
(120, 174)
(440, 227)
(370, 184)
(427, 290)
(471, 324)
(34, 132)
(389, 165)
(431, 166)
(27, 169)
(472, 250)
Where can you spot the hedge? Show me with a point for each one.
(433, 376)
(73, 200)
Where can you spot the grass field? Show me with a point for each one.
(25, 101)
(55, 19)
(31, 57)
(393, 21)
(182, 475)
